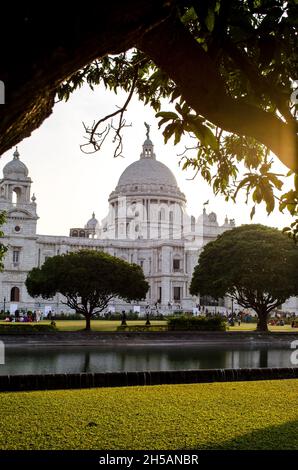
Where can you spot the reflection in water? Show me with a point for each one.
(134, 358)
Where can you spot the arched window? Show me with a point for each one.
(16, 195)
(171, 226)
(15, 294)
(177, 264)
(162, 214)
(159, 262)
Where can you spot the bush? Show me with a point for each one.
(197, 323)
(143, 328)
(4, 315)
(113, 316)
(118, 316)
(65, 316)
(152, 317)
(12, 328)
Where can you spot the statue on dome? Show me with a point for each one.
(148, 129)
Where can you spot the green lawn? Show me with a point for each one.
(99, 325)
(253, 326)
(111, 325)
(96, 325)
(245, 415)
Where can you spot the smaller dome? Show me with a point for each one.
(148, 142)
(92, 223)
(212, 218)
(15, 169)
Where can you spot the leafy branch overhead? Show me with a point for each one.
(234, 63)
(229, 70)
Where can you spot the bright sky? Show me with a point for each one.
(70, 185)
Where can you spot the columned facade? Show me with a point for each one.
(147, 224)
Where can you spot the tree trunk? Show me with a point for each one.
(262, 320)
(66, 43)
(88, 322)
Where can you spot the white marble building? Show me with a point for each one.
(146, 224)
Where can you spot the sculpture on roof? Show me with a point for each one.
(148, 129)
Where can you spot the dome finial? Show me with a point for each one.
(16, 154)
(92, 223)
(147, 145)
(147, 131)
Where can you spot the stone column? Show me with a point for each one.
(166, 274)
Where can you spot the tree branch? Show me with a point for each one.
(96, 138)
(260, 84)
(197, 77)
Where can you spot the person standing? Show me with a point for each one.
(123, 321)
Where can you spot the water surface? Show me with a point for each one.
(50, 360)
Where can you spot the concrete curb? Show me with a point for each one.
(126, 379)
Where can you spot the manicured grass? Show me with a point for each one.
(96, 325)
(99, 325)
(245, 415)
(253, 326)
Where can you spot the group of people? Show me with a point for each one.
(282, 322)
(25, 317)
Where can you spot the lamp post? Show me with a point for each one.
(4, 302)
(231, 322)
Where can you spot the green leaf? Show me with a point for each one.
(166, 115)
(203, 134)
(169, 131)
(242, 183)
(189, 15)
(264, 168)
(178, 133)
(257, 195)
(210, 19)
(276, 181)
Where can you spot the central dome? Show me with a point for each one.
(148, 177)
(147, 171)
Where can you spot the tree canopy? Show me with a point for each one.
(254, 264)
(228, 66)
(88, 280)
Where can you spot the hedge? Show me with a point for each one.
(197, 323)
(12, 328)
(142, 328)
